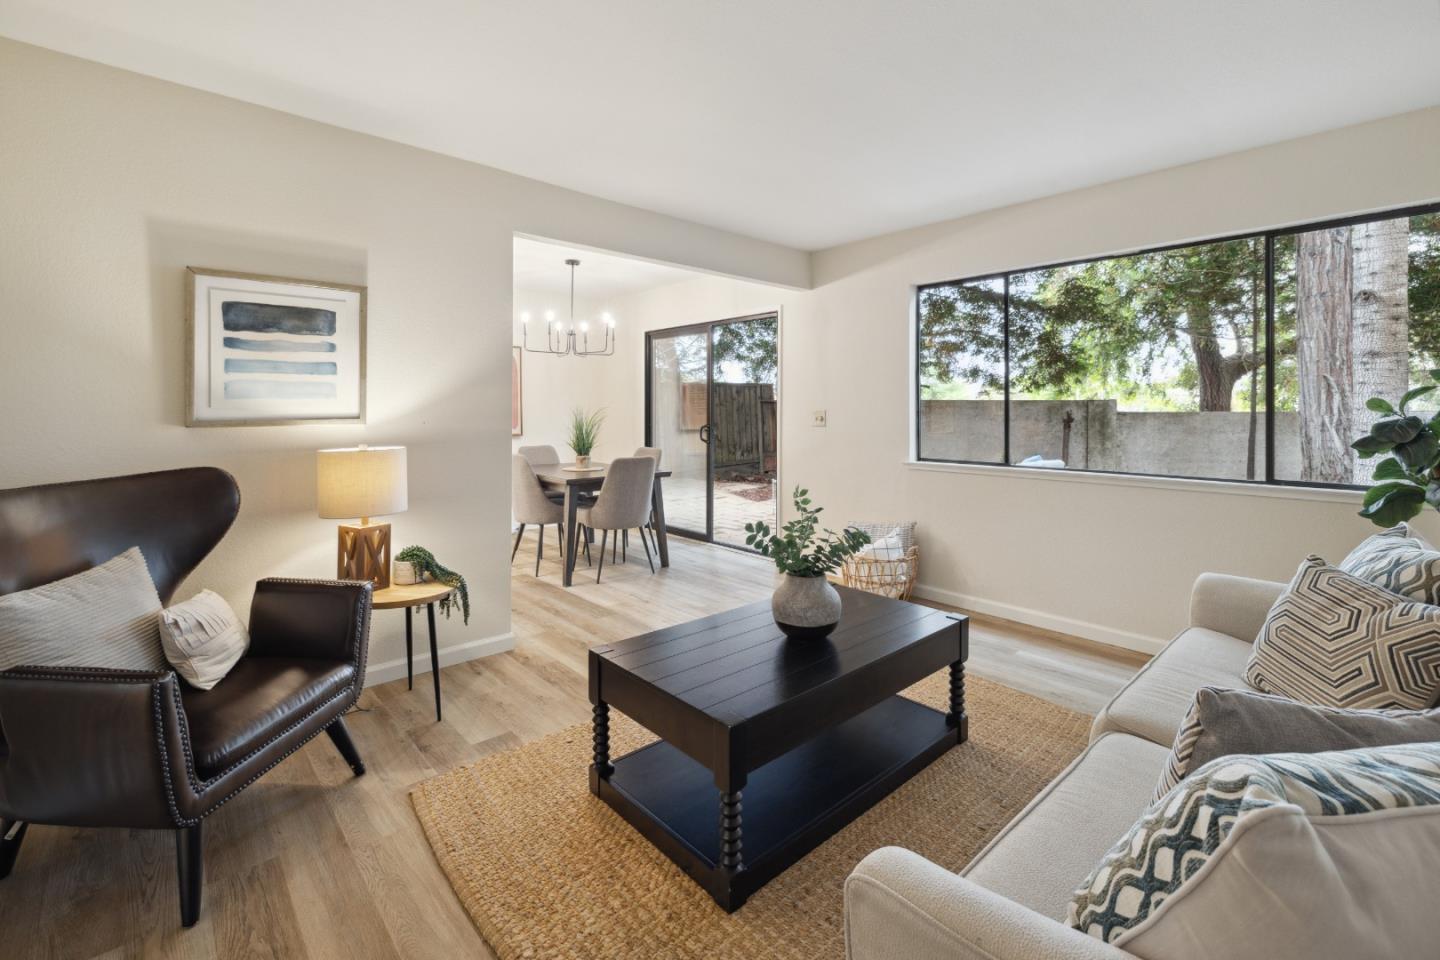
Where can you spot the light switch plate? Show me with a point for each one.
(819, 418)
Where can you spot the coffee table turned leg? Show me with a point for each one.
(601, 768)
(957, 715)
(730, 833)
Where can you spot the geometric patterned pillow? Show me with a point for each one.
(1399, 560)
(1174, 839)
(1338, 641)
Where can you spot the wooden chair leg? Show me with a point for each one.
(516, 548)
(190, 867)
(12, 834)
(340, 736)
(540, 549)
(585, 539)
(604, 537)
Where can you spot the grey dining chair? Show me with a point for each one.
(623, 502)
(530, 505)
(542, 456)
(654, 453)
(538, 456)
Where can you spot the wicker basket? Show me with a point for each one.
(889, 578)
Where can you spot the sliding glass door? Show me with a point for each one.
(711, 407)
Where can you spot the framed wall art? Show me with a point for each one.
(273, 350)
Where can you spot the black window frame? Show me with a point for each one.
(1268, 236)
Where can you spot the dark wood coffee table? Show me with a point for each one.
(812, 732)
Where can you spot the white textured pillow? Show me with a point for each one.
(203, 638)
(101, 617)
(888, 547)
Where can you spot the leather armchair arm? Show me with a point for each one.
(92, 747)
(321, 619)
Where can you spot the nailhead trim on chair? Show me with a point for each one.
(362, 620)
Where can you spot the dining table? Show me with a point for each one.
(581, 484)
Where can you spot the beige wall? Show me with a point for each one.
(1110, 559)
(112, 183)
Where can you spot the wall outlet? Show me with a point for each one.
(818, 418)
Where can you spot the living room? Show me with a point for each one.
(1080, 357)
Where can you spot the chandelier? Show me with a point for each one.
(574, 339)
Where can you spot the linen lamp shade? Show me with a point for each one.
(362, 482)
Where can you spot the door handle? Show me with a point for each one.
(705, 433)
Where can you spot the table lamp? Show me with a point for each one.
(362, 482)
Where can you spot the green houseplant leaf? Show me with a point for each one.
(800, 549)
(1397, 503)
(1391, 469)
(1397, 429)
(1412, 394)
(584, 430)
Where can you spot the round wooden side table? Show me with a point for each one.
(410, 596)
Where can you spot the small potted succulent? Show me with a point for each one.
(805, 606)
(420, 565)
(584, 431)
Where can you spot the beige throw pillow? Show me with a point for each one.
(101, 617)
(203, 638)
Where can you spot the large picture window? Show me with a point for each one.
(1248, 358)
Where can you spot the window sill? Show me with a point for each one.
(1225, 487)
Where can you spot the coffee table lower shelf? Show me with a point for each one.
(789, 806)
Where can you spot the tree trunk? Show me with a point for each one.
(1323, 345)
(1217, 377)
(1381, 324)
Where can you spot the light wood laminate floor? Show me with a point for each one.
(311, 862)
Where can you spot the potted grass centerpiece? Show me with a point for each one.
(584, 431)
(804, 605)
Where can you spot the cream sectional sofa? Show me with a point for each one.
(1009, 903)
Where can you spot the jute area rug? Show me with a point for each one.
(547, 870)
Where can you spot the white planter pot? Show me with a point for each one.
(405, 573)
(805, 608)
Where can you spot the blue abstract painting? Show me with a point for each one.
(275, 350)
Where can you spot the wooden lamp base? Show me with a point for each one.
(364, 553)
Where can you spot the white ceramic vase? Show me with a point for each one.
(805, 608)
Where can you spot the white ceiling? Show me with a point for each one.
(808, 122)
(540, 268)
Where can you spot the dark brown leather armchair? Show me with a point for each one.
(91, 747)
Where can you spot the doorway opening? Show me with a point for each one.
(712, 397)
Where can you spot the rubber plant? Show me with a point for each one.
(798, 549)
(426, 564)
(1409, 478)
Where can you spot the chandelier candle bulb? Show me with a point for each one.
(561, 339)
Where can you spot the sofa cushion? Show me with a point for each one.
(1339, 641)
(1157, 698)
(261, 697)
(1307, 855)
(1060, 835)
(1400, 560)
(1225, 722)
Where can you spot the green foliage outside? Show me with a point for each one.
(1174, 330)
